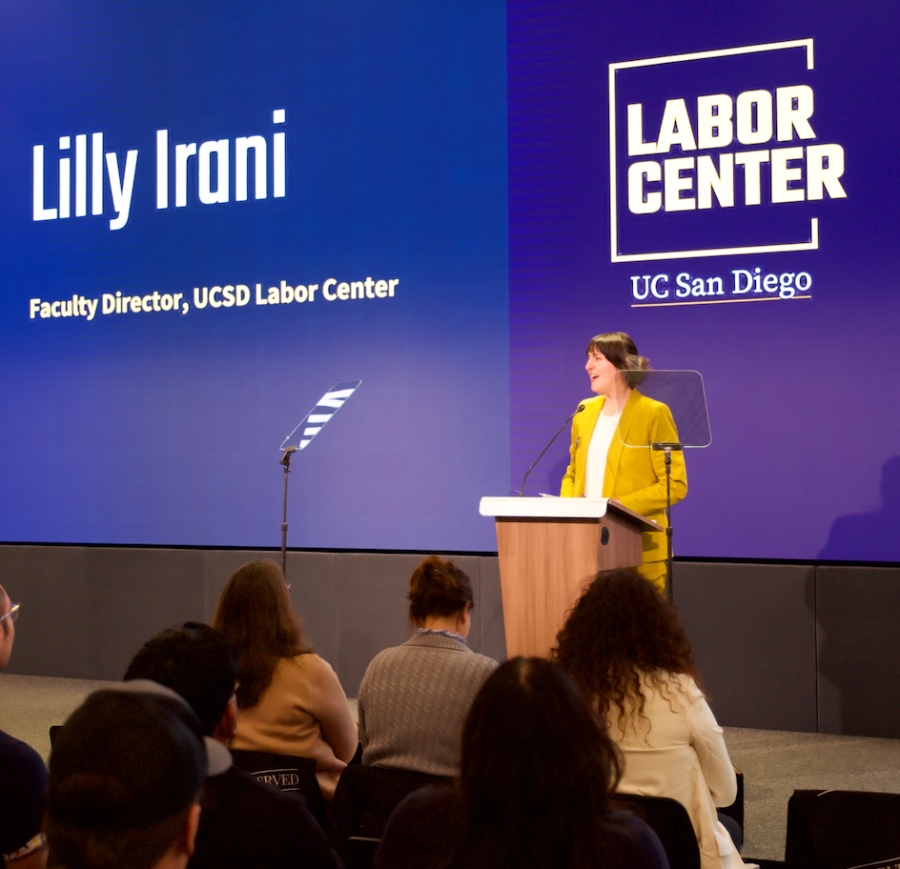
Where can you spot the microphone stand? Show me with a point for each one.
(286, 461)
(667, 447)
(578, 410)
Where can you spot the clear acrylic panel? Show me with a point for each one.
(326, 407)
(685, 397)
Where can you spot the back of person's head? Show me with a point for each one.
(254, 613)
(537, 769)
(195, 661)
(620, 630)
(125, 774)
(620, 349)
(438, 588)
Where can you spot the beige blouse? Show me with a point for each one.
(678, 750)
(303, 712)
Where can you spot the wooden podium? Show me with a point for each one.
(549, 549)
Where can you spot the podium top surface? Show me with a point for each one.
(559, 508)
(550, 508)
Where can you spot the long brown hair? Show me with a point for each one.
(620, 632)
(254, 612)
(537, 772)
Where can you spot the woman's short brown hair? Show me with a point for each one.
(438, 588)
(620, 349)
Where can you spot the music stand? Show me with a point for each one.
(302, 436)
(683, 393)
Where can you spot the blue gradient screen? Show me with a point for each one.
(214, 212)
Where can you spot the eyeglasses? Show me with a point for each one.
(13, 613)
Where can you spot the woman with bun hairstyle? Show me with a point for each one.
(534, 791)
(290, 700)
(414, 698)
(610, 455)
(627, 650)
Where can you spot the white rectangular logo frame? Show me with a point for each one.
(616, 257)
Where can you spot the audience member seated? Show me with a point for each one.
(290, 700)
(243, 822)
(125, 777)
(23, 776)
(626, 648)
(414, 698)
(534, 788)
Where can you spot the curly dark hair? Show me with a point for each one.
(620, 632)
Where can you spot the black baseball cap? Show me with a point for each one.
(128, 757)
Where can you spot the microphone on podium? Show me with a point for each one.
(558, 433)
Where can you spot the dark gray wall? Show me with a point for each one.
(87, 610)
(858, 652)
(784, 647)
(754, 636)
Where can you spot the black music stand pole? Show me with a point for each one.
(667, 451)
(286, 461)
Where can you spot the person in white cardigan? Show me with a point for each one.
(626, 648)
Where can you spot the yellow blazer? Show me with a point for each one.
(635, 475)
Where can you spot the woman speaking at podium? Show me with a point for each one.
(610, 454)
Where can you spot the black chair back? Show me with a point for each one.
(671, 822)
(359, 852)
(286, 772)
(842, 829)
(365, 798)
(736, 809)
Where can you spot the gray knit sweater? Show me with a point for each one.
(413, 701)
